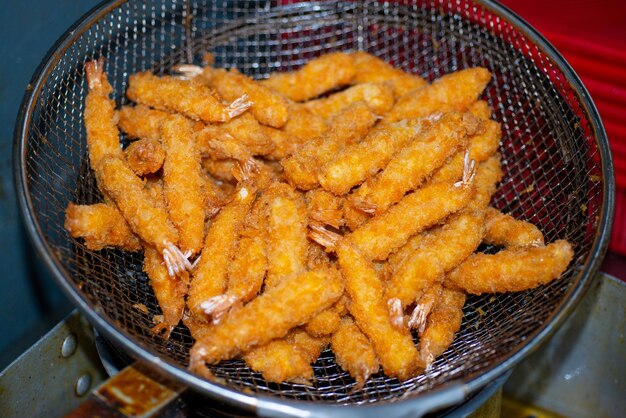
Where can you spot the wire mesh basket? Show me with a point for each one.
(558, 172)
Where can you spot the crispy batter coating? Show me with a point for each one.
(480, 109)
(371, 69)
(141, 122)
(101, 226)
(416, 211)
(443, 322)
(210, 276)
(324, 323)
(325, 208)
(280, 361)
(482, 145)
(354, 352)
(512, 270)
(505, 230)
(188, 97)
(394, 347)
(246, 129)
(219, 145)
(347, 127)
(438, 252)
(182, 183)
(221, 169)
(145, 156)
(268, 107)
(359, 161)
(316, 77)
(454, 91)
(415, 162)
(377, 96)
(148, 221)
(287, 244)
(488, 174)
(292, 302)
(169, 291)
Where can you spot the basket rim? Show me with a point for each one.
(449, 394)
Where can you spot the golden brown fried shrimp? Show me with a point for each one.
(246, 129)
(310, 345)
(316, 77)
(182, 183)
(512, 270)
(482, 145)
(488, 174)
(443, 322)
(220, 145)
(325, 208)
(454, 91)
(394, 347)
(424, 306)
(102, 134)
(145, 156)
(169, 291)
(358, 162)
(415, 162)
(480, 109)
(377, 96)
(280, 361)
(100, 225)
(221, 170)
(505, 230)
(371, 69)
(268, 107)
(210, 275)
(354, 352)
(347, 127)
(292, 302)
(416, 211)
(439, 251)
(353, 217)
(188, 97)
(141, 122)
(324, 323)
(287, 245)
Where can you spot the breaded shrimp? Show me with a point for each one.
(454, 91)
(488, 174)
(415, 162)
(246, 129)
(316, 77)
(292, 302)
(324, 323)
(145, 156)
(221, 169)
(145, 218)
(182, 183)
(443, 322)
(141, 122)
(280, 361)
(358, 162)
(188, 97)
(506, 231)
(480, 109)
(371, 69)
(377, 96)
(347, 127)
(424, 306)
(100, 225)
(394, 346)
(354, 352)
(287, 245)
(169, 291)
(512, 270)
(210, 276)
(482, 145)
(325, 208)
(219, 145)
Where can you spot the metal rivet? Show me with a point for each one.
(69, 345)
(83, 384)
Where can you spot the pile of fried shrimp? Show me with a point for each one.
(340, 205)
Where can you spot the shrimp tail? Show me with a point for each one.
(469, 171)
(238, 106)
(175, 260)
(219, 305)
(396, 315)
(323, 236)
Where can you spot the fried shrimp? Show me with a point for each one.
(292, 302)
(347, 127)
(169, 291)
(325, 208)
(354, 352)
(209, 278)
(512, 270)
(424, 306)
(454, 91)
(313, 78)
(280, 361)
(145, 156)
(101, 226)
(506, 231)
(190, 98)
(371, 69)
(324, 323)
(393, 346)
(488, 174)
(287, 245)
(141, 122)
(415, 162)
(359, 161)
(377, 96)
(443, 322)
(480, 109)
(247, 130)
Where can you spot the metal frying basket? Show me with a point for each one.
(558, 171)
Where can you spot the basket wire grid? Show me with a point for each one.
(557, 170)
